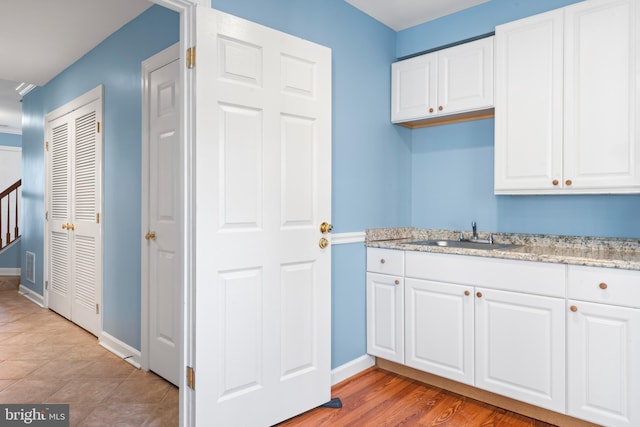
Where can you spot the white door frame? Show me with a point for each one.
(186, 9)
(149, 65)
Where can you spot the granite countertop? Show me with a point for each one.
(589, 251)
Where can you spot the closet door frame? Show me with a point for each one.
(93, 95)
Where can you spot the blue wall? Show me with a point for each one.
(452, 165)
(115, 63)
(10, 140)
(371, 158)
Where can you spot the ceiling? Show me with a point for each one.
(402, 14)
(40, 38)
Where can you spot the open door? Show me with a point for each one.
(263, 178)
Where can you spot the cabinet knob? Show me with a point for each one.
(382, 261)
(479, 294)
(555, 182)
(397, 282)
(440, 108)
(573, 308)
(568, 182)
(431, 110)
(467, 293)
(603, 285)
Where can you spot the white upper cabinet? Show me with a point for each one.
(566, 101)
(453, 81)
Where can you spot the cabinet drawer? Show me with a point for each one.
(538, 278)
(385, 261)
(604, 285)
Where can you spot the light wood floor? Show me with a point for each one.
(46, 359)
(378, 398)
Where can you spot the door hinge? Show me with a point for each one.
(191, 378)
(97, 308)
(46, 284)
(98, 218)
(191, 57)
(46, 216)
(98, 127)
(46, 145)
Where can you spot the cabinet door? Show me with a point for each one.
(385, 317)
(528, 104)
(413, 88)
(603, 351)
(439, 329)
(520, 347)
(602, 140)
(465, 77)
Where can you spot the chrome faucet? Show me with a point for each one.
(475, 230)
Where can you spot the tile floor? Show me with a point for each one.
(46, 359)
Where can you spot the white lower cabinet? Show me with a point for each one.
(385, 317)
(385, 304)
(603, 346)
(520, 346)
(439, 329)
(562, 337)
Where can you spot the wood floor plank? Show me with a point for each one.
(378, 398)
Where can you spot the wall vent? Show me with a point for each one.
(31, 267)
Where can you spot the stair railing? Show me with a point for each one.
(9, 201)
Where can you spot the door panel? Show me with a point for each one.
(165, 220)
(264, 176)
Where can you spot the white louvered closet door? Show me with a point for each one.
(59, 200)
(74, 243)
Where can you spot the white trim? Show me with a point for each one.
(344, 238)
(149, 65)
(120, 349)
(187, 10)
(10, 271)
(31, 295)
(12, 130)
(352, 368)
(9, 148)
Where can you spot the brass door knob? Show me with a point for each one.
(603, 285)
(431, 110)
(151, 235)
(382, 260)
(397, 282)
(568, 182)
(467, 293)
(479, 294)
(71, 227)
(573, 308)
(325, 228)
(555, 182)
(323, 243)
(64, 226)
(440, 108)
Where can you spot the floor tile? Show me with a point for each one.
(44, 358)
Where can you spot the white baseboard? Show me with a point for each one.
(9, 271)
(120, 349)
(352, 368)
(31, 295)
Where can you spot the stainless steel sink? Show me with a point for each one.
(465, 244)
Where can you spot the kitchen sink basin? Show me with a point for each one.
(465, 244)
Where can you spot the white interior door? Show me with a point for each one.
(74, 194)
(165, 201)
(263, 186)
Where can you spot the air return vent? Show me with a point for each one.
(30, 267)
